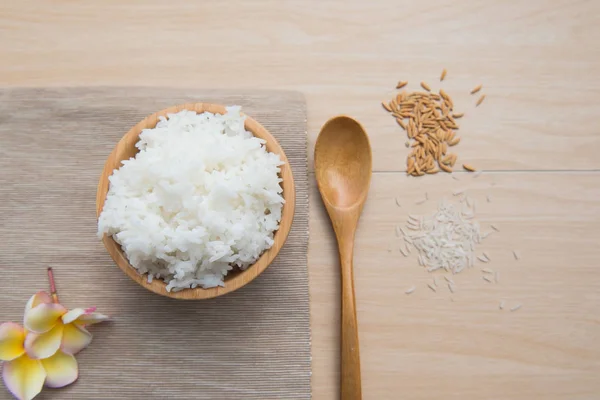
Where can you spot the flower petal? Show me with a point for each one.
(84, 316)
(44, 345)
(75, 339)
(12, 337)
(72, 315)
(37, 299)
(92, 318)
(24, 377)
(43, 317)
(75, 313)
(61, 370)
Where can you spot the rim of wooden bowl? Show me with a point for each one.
(125, 149)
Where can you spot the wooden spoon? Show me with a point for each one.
(343, 168)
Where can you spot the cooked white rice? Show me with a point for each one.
(202, 195)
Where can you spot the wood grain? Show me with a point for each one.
(125, 149)
(538, 61)
(427, 346)
(343, 169)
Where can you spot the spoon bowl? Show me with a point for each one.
(343, 169)
(343, 162)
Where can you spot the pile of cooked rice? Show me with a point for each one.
(201, 197)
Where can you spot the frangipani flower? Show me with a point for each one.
(43, 352)
(25, 377)
(52, 327)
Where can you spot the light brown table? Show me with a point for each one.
(536, 136)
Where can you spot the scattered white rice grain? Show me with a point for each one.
(403, 252)
(426, 196)
(454, 177)
(410, 290)
(398, 231)
(451, 287)
(516, 255)
(488, 279)
(486, 256)
(487, 271)
(457, 192)
(486, 234)
(413, 222)
(489, 200)
(495, 228)
(435, 281)
(431, 287)
(515, 308)
(482, 259)
(476, 174)
(403, 232)
(501, 305)
(469, 202)
(444, 240)
(448, 280)
(398, 202)
(408, 240)
(407, 248)
(421, 202)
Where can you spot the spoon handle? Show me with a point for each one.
(350, 368)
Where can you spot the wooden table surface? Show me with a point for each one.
(536, 136)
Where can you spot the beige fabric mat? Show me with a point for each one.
(250, 344)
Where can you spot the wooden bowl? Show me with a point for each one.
(236, 278)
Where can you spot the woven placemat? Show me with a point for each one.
(250, 344)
